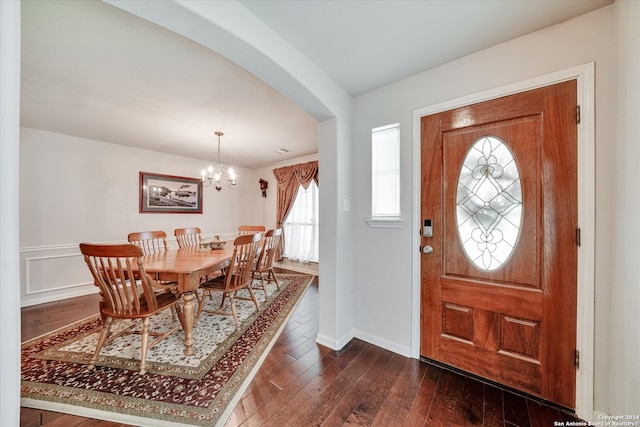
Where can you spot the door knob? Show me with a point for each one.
(427, 249)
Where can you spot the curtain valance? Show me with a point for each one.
(295, 175)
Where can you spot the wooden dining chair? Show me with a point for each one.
(237, 277)
(151, 242)
(250, 229)
(154, 242)
(113, 267)
(264, 263)
(188, 237)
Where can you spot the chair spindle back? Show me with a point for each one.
(188, 237)
(113, 267)
(270, 245)
(243, 230)
(244, 254)
(151, 242)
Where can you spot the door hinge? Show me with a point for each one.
(577, 359)
(578, 237)
(577, 114)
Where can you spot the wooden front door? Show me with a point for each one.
(499, 275)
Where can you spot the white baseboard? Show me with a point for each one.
(59, 295)
(386, 344)
(364, 336)
(334, 344)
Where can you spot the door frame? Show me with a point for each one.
(585, 76)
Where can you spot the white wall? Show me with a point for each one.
(382, 261)
(76, 190)
(624, 388)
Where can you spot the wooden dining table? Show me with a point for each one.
(189, 265)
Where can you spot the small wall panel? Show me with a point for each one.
(53, 273)
(457, 321)
(45, 274)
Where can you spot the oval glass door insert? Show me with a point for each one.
(489, 203)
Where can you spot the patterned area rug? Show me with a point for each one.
(177, 389)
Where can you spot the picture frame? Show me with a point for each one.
(170, 194)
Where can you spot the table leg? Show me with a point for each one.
(187, 322)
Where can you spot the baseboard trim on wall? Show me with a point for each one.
(59, 296)
(386, 344)
(334, 344)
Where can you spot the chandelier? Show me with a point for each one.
(219, 175)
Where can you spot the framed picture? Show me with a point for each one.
(169, 194)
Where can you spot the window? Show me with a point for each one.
(301, 230)
(489, 203)
(385, 169)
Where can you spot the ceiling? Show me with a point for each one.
(92, 70)
(364, 45)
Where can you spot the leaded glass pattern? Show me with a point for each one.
(489, 203)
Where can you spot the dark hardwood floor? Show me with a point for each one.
(302, 383)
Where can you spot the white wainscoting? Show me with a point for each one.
(52, 273)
